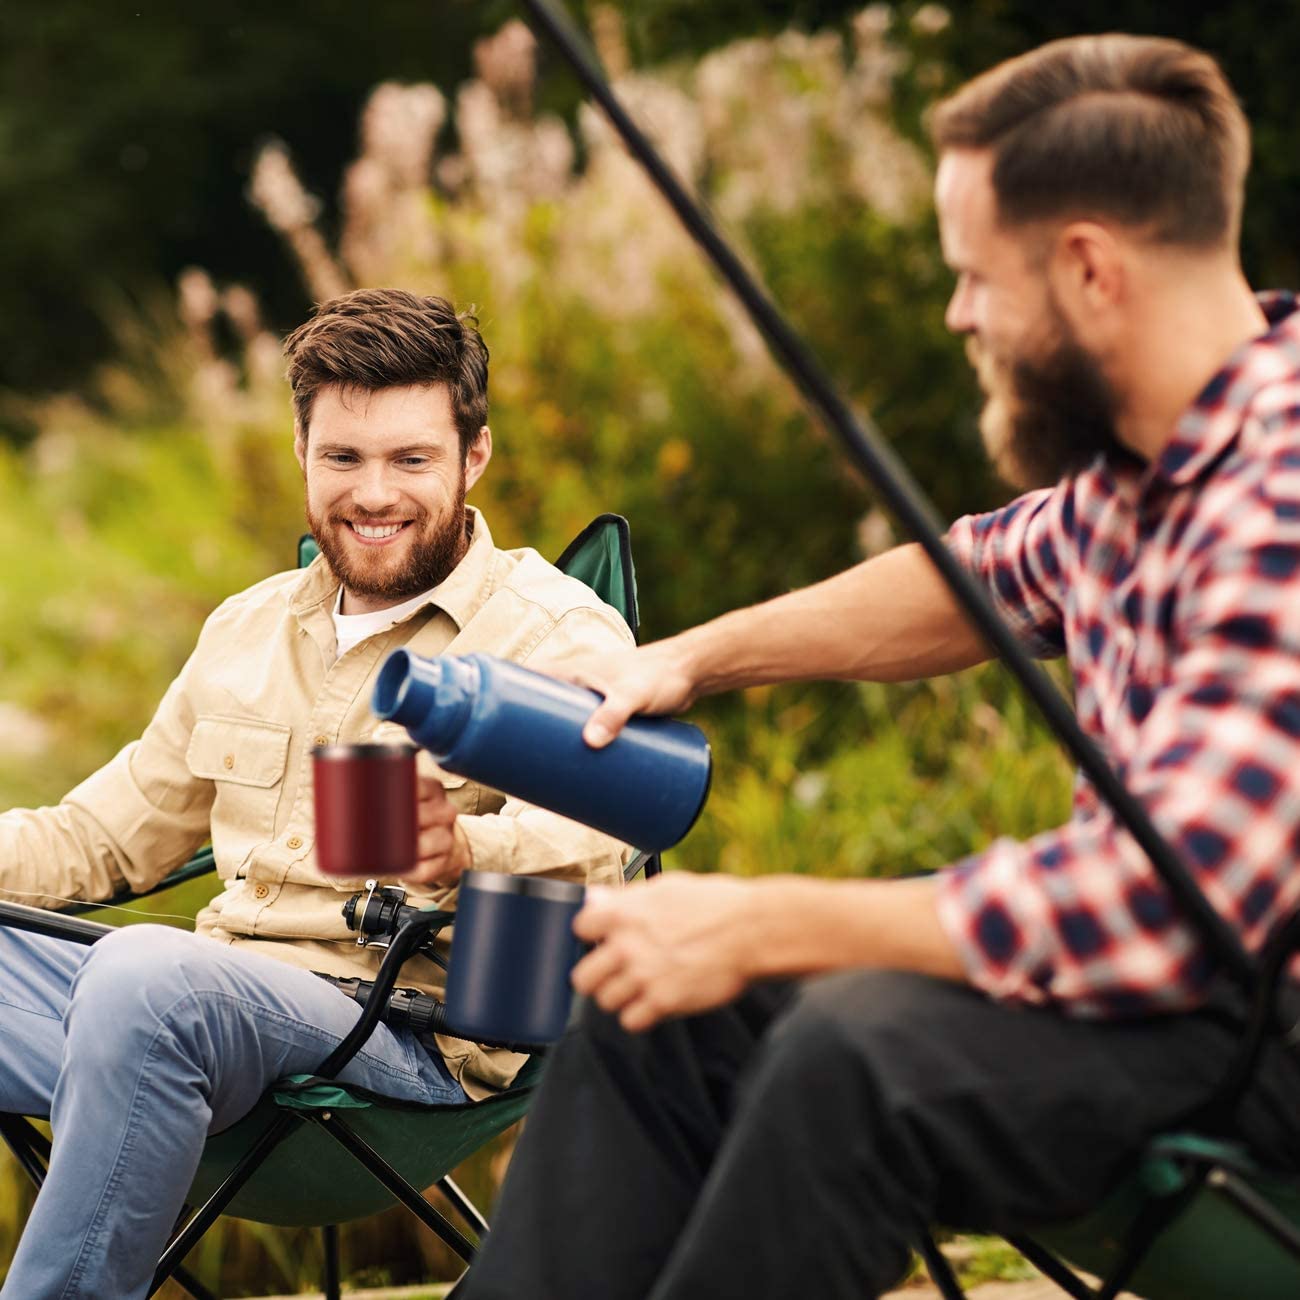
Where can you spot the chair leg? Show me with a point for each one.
(184, 1241)
(1051, 1267)
(1250, 1203)
(940, 1271)
(462, 1204)
(1154, 1217)
(366, 1155)
(330, 1244)
(28, 1145)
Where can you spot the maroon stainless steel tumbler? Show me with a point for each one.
(366, 819)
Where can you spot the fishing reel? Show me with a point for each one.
(379, 913)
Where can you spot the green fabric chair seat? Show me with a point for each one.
(1211, 1251)
(310, 1179)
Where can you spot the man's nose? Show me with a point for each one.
(375, 489)
(958, 317)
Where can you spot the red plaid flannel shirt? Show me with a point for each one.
(1174, 591)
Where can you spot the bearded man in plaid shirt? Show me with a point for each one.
(991, 1046)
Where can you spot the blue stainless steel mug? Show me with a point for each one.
(512, 949)
(520, 732)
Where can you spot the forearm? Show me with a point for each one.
(51, 854)
(891, 618)
(800, 926)
(524, 840)
(104, 837)
(683, 943)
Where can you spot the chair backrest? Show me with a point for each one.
(600, 556)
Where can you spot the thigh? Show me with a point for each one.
(244, 1019)
(1018, 1114)
(36, 972)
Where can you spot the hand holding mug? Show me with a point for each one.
(444, 848)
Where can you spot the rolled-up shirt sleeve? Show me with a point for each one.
(527, 840)
(1015, 552)
(126, 825)
(1077, 915)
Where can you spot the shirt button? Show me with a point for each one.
(228, 762)
(294, 841)
(322, 740)
(261, 891)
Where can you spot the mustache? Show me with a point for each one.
(419, 515)
(990, 371)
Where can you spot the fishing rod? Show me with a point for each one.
(875, 459)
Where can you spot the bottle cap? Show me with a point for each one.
(431, 698)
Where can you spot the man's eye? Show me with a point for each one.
(414, 462)
(340, 458)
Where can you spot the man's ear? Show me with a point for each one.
(1088, 274)
(300, 446)
(476, 459)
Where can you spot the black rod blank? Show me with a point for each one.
(873, 457)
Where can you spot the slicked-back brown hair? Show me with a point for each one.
(387, 338)
(1139, 129)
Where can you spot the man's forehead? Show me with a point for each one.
(964, 200)
(343, 409)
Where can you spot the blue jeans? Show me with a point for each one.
(137, 1049)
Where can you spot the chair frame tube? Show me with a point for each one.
(366, 1155)
(462, 1204)
(1255, 1207)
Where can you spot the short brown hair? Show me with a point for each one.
(384, 338)
(1140, 129)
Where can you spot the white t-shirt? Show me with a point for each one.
(349, 629)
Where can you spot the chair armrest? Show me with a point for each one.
(39, 920)
(642, 862)
(201, 864)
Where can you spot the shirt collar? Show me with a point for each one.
(460, 595)
(1212, 422)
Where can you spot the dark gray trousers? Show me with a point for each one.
(798, 1142)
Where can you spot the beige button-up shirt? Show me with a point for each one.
(229, 753)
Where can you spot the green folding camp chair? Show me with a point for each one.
(293, 1160)
(1198, 1218)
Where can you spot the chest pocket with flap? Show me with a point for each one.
(238, 750)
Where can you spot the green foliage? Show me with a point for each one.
(126, 133)
(149, 115)
(990, 1259)
(875, 780)
(127, 540)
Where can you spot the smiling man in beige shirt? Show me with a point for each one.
(178, 1034)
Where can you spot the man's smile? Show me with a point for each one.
(376, 534)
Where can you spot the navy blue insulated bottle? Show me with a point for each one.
(520, 732)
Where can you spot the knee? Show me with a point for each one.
(134, 975)
(859, 1035)
(597, 1035)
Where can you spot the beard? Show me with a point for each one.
(436, 547)
(1045, 416)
